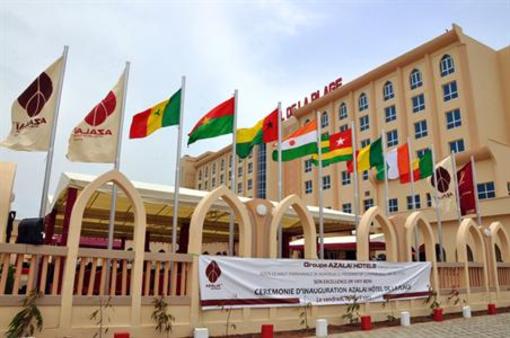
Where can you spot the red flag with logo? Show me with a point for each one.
(466, 190)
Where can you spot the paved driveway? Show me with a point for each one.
(476, 327)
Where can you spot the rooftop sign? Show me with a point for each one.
(313, 96)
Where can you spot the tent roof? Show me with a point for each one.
(158, 201)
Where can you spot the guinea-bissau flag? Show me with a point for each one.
(264, 131)
(164, 114)
(335, 148)
(219, 121)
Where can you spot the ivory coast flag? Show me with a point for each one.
(34, 110)
(264, 131)
(218, 121)
(164, 114)
(370, 156)
(300, 143)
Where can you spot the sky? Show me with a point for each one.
(269, 50)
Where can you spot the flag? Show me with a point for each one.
(300, 143)
(445, 185)
(33, 111)
(466, 190)
(218, 121)
(264, 131)
(335, 148)
(397, 165)
(164, 114)
(95, 138)
(370, 156)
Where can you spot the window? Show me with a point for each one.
(420, 153)
(457, 146)
(418, 103)
(324, 120)
(239, 188)
(261, 171)
(199, 186)
(308, 165)
(206, 172)
(388, 91)
(429, 200)
(363, 123)
(213, 182)
(342, 111)
(486, 190)
(347, 207)
(365, 175)
(363, 102)
(450, 91)
(365, 142)
(206, 186)
(420, 129)
(392, 138)
(344, 127)
(308, 187)
(200, 174)
(230, 162)
(326, 182)
(250, 184)
(446, 65)
(346, 177)
(453, 119)
(415, 79)
(368, 203)
(393, 204)
(417, 203)
(250, 167)
(222, 179)
(390, 113)
(222, 164)
(240, 171)
(214, 169)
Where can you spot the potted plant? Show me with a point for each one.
(28, 320)
(161, 317)
(435, 306)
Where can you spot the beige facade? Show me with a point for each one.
(451, 92)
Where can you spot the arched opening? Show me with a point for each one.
(131, 284)
(204, 210)
(500, 256)
(374, 221)
(497, 254)
(418, 222)
(305, 220)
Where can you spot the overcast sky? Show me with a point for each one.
(270, 50)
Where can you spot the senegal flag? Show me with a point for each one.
(264, 131)
(219, 121)
(164, 114)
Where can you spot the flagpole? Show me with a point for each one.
(475, 191)
(111, 227)
(355, 174)
(457, 198)
(177, 182)
(413, 198)
(383, 140)
(280, 178)
(49, 154)
(233, 176)
(438, 212)
(321, 216)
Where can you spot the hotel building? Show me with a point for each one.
(450, 94)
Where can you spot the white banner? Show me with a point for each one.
(257, 282)
(33, 111)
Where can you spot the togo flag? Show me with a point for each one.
(34, 110)
(300, 143)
